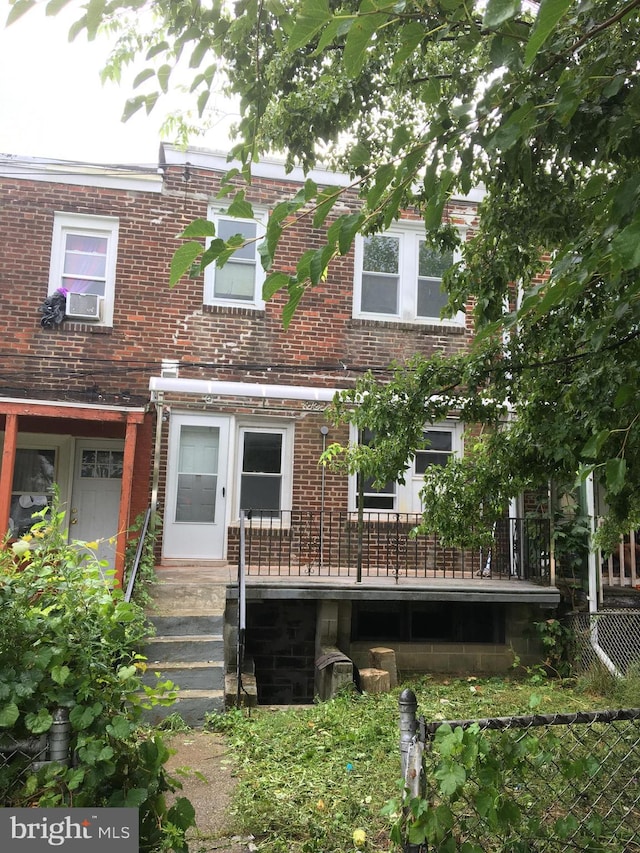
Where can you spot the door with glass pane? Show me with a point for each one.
(34, 476)
(95, 502)
(195, 514)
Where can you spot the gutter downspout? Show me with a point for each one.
(593, 595)
(155, 482)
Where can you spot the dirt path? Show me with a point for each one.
(208, 781)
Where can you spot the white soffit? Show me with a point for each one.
(215, 388)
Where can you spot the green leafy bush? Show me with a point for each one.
(69, 641)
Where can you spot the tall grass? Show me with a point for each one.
(310, 777)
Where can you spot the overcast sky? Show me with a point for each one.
(53, 105)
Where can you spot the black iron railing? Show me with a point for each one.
(332, 544)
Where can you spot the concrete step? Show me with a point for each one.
(174, 598)
(187, 675)
(187, 624)
(194, 647)
(191, 705)
(248, 691)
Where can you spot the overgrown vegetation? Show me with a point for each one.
(312, 777)
(146, 573)
(69, 641)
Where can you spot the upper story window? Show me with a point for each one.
(239, 280)
(83, 261)
(398, 276)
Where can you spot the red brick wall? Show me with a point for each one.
(324, 344)
(152, 321)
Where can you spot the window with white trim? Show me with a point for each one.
(264, 463)
(84, 251)
(443, 441)
(239, 280)
(398, 276)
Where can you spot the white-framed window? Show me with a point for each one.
(264, 470)
(238, 281)
(444, 440)
(84, 251)
(398, 276)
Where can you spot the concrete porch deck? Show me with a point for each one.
(313, 587)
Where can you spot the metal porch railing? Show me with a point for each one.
(332, 544)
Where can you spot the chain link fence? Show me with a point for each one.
(609, 637)
(20, 757)
(531, 784)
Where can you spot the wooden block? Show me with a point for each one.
(374, 680)
(382, 658)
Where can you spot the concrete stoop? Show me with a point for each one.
(248, 697)
(188, 647)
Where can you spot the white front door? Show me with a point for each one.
(95, 502)
(195, 513)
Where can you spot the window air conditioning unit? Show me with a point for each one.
(83, 306)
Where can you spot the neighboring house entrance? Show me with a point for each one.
(95, 502)
(195, 514)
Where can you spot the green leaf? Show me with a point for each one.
(296, 292)
(142, 76)
(516, 126)
(273, 283)
(132, 105)
(240, 208)
(135, 797)
(60, 674)
(499, 11)
(95, 13)
(312, 17)
(409, 38)
(163, 74)
(9, 713)
(120, 727)
(182, 813)
(616, 470)
(212, 252)
(335, 27)
(360, 155)
(126, 672)
(182, 261)
(55, 6)
(199, 228)
(626, 245)
(81, 716)
(155, 49)
(319, 262)
(358, 40)
(19, 8)
(40, 722)
(327, 198)
(203, 100)
(549, 14)
(594, 445)
(451, 777)
(199, 52)
(625, 394)
(344, 230)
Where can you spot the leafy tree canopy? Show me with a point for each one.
(419, 100)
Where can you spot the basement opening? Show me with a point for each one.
(280, 637)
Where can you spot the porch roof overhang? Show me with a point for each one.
(78, 411)
(13, 409)
(219, 388)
